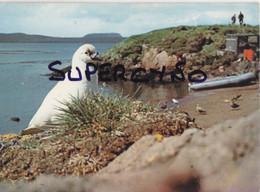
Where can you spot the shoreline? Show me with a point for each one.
(218, 111)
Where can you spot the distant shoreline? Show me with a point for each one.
(89, 38)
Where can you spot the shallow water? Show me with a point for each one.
(154, 93)
(22, 88)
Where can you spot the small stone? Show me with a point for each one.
(17, 119)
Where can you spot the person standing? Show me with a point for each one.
(233, 18)
(240, 18)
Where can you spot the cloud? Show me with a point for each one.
(79, 19)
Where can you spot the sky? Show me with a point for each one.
(79, 19)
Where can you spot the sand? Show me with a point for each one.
(219, 111)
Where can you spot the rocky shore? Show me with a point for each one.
(222, 158)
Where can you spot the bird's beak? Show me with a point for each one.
(96, 56)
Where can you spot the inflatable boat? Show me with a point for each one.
(224, 82)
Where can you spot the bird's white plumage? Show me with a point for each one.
(65, 90)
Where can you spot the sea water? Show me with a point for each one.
(22, 88)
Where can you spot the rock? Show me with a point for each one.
(220, 53)
(148, 58)
(221, 69)
(188, 56)
(161, 60)
(156, 60)
(144, 48)
(31, 131)
(223, 154)
(17, 119)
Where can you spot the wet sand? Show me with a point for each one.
(219, 111)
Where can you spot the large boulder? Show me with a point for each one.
(155, 59)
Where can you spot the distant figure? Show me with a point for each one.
(240, 18)
(233, 18)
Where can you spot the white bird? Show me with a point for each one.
(200, 109)
(175, 101)
(65, 90)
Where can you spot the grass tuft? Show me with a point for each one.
(98, 114)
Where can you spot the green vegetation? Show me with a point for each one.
(97, 114)
(29, 144)
(202, 40)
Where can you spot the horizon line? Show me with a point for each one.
(121, 34)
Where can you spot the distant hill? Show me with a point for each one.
(90, 38)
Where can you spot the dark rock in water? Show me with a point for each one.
(17, 119)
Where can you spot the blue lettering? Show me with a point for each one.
(56, 70)
(88, 72)
(75, 79)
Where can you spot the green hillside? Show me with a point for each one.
(205, 41)
(89, 38)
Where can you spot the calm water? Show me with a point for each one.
(22, 89)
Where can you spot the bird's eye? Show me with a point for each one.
(86, 52)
